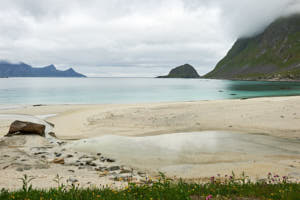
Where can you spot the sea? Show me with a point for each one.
(134, 90)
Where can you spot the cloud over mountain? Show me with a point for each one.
(131, 37)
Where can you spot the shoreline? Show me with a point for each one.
(275, 116)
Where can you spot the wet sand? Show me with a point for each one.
(200, 154)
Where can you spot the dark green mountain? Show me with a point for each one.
(271, 55)
(23, 70)
(183, 71)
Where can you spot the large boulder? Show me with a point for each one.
(26, 128)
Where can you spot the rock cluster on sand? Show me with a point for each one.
(28, 151)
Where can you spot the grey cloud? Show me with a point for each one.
(248, 18)
(132, 37)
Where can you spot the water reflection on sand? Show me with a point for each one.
(184, 151)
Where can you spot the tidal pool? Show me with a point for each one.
(182, 153)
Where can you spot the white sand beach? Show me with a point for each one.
(276, 116)
(271, 127)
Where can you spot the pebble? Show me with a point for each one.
(110, 160)
(59, 161)
(58, 155)
(113, 168)
(72, 180)
(60, 143)
(101, 169)
(38, 153)
(125, 171)
(27, 168)
(5, 167)
(91, 164)
(19, 169)
(142, 174)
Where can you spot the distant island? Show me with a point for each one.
(272, 55)
(24, 70)
(183, 71)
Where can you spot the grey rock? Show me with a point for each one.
(60, 143)
(110, 160)
(27, 168)
(57, 154)
(19, 169)
(42, 166)
(142, 174)
(72, 180)
(87, 160)
(113, 168)
(52, 134)
(91, 164)
(125, 171)
(38, 153)
(101, 169)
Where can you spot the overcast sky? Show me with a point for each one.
(130, 37)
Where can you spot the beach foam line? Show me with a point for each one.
(11, 106)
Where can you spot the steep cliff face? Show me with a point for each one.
(23, 70)
(183, 71)
(273, 54)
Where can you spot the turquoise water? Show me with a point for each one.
(134, 90)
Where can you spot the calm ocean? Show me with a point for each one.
(133, 90)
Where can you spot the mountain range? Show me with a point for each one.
(273, 54)
(24, 70)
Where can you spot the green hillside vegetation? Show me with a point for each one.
(273, 54)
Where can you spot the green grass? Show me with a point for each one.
(274, 187)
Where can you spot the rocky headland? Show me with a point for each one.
(183, 71)
(272, 55)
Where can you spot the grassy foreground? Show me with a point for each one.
(274, 187)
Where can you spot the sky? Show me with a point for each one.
(130, 38)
